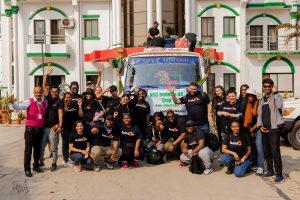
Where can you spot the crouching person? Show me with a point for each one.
(157, 137)
(79, 147)
(196, 143)
(105, 145)
(236, 148)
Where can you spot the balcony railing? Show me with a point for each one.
(48, 39)
(272, 43)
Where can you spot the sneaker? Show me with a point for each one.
(28, 173)
(208, 171)
(96, 168)
(109, 165)
(53, 167)
(279, 179)
(68, 164)
(125, 164)
(135, 163)
(77, 168)
(229, 170)
(268, 174)
(42, 164)
(260, 171)
(37, 169)
(182, 164)
(254, 169)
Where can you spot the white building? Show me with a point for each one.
(243, 30)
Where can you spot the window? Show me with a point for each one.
(92, 78)
(39, 31)
(57, 32)
(256, 36)
(272, 37)
(207, 30)
(55, 80)
(229, 80)
(91, 28)
(211, 84)
(229, 26)
(284, 82)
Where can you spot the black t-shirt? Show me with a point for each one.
(159, 135)
(217, 104)
(121, 110)
(51, 116)
(112, 102)
(89, 109)
(192, 140)
(129, 135)
(104, 101)
(234, 144)
(106, 136)
(175, 129)
(196, 106)
(70, 114)
(78, 141)
(76, 96)
(153, 31)
(232, 109)
(140, 110)
(266, 113)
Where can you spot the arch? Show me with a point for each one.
(287, 61)
(53, 65)
(218, 6)
(48, 8)
(228, 65)
(263, 15)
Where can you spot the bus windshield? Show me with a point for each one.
(161, 71)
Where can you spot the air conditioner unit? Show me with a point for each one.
(68, 23)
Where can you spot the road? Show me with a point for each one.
(167, 181)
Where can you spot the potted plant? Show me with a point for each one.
(20, 118)
(6, 111)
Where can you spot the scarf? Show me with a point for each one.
(250, 112)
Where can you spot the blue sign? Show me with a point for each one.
(164, 60)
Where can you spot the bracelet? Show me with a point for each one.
(242, 160)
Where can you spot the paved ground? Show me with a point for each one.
(166, 181)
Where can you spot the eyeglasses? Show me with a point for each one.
(267, 86)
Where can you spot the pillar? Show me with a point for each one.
(118, 22)
(187, 14)
(15, 10)
(159, 14)
(149, 13)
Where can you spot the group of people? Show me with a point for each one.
(98, 130)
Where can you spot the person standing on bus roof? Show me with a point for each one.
(153, 32)
(198, 106)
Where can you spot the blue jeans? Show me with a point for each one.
(205, 127)
(52, 137)
(239, 170)
(260, 150)
(79, 159)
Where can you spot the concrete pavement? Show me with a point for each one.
(167, 181)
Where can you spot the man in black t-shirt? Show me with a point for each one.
(105, 144)
(196, 143)
(175, 131)
(52, 124)
(198, 106)
(74, 87)
(153, 32)
(114, 100)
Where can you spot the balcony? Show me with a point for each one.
(271, 45)
(53, 46)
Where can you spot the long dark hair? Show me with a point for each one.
(76, 123)
(160, 115)
(216, 98)
(241, 133)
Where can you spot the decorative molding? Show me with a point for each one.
(54, 55)
(218, 5)
(8, 12)
(91, 38)
(272, 53)
(269, 4)
(294, 15)
(226, 64)
(15, 9)
(90, 16)
(91, 72)
(263, 15)
(53, 65)
(229, 36)
(48, 8)
(210, 44)
(278, 58)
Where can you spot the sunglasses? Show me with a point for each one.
(267, 86)
(171, 116)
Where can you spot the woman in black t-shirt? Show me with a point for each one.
(79, 147)
(218, 99)
(120, 109)
(236, 148)
(229, 111)
(158, 137)
(130, 143)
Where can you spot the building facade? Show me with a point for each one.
(245, 31)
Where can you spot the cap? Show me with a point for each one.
(89, 83)
(189, 123)
(109, 118)
(88, 91)
(74, 83)
(251, 91)
(156, 22)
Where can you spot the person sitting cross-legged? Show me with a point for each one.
(236, 148)
(196, 143)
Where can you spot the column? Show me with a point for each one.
(15, 10)
(7, 42)
(241, 58)
(118, 22)
(149, 13)
(113, 9)
(187, 10)
(193, 16)
(159, 13)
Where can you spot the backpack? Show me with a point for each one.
(154, 157)
(213, 143)
(197, 166)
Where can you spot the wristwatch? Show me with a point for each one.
(242, 160)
